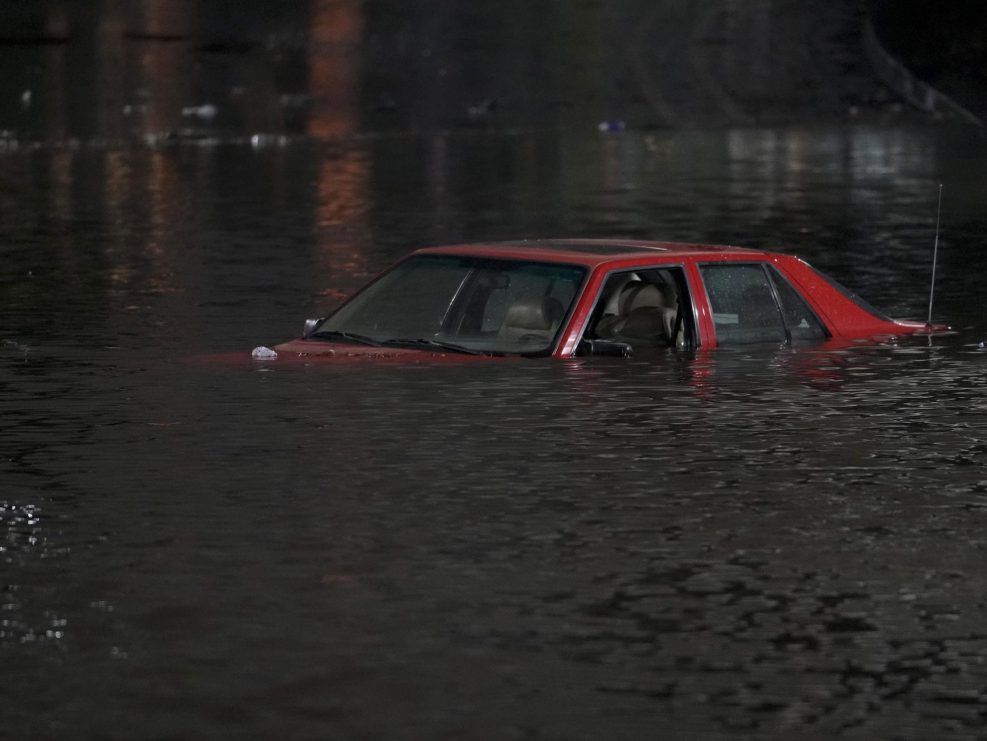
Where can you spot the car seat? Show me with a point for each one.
(645, 315)
(532, 319)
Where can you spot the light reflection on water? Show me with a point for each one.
(782, 541)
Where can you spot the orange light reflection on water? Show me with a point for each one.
(343, 204)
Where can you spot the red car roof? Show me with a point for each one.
(587, 251)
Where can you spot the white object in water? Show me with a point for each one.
(207, 111)
(265, 140)
(263, 353)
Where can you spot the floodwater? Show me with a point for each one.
(752, 544)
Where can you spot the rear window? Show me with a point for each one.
(876, 313)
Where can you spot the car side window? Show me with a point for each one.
(743, 304)
(644, 308)
(802, 323)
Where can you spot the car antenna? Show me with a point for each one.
(935, 257)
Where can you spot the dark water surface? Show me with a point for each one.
(750, 544)
(769, 543)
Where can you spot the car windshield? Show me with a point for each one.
(469, 304)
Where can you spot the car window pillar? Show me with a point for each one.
(774, 293)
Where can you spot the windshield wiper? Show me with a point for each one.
(440, 344)
(348, 336)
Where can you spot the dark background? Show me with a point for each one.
(119, 69)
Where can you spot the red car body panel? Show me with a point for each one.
(843, 318)
(318, 350)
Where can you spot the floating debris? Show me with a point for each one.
(206, 111)
(268, 140)
(263, 353)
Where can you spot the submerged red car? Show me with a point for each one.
(570, 297)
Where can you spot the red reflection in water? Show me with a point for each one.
(164, 64)
(343, 197)
(335, 32)
(52, 90)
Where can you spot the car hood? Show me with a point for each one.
(322, 350)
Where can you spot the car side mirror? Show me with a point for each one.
(607, 348)
(310, 325)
